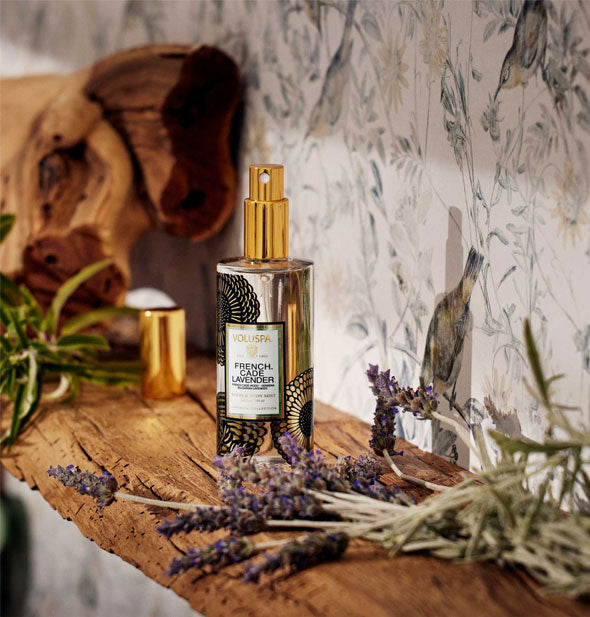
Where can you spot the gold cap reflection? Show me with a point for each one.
(266, 214)
(163, 352)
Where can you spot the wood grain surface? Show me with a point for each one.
(163, 449)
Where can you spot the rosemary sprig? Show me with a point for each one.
(34, 348)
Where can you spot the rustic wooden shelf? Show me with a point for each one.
(164, 449)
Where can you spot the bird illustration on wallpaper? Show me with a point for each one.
(446, 334)
(328, 109)
(529, 45)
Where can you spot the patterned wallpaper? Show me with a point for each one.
(411, 131)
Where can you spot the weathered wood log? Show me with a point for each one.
(90, 161)
(165, 448)
(176, 119)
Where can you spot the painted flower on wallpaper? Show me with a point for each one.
(433, 46)
(497, 395)
(490, 118)
(394, 68)
(570, 199)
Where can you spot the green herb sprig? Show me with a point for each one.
(35, 348)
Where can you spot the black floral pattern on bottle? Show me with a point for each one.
(237, 433)
(298, 419)
(237, 303)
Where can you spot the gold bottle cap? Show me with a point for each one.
(266, 214)
(163, 352)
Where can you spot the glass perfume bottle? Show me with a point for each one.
(264, 330)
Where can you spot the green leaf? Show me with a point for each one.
(6, 224)
(5, 319)
(44, 353)
(29, 394)
(26, 399)
(67, 289)
(74, 389)
(5, 382)
(16, 410)
(9, 291)
(535, 363)
(100, 373)
(90, 318)
(31, 303)
(15, 323)
(5, 344)
(28, 413)
(111, 378)
(82, 341)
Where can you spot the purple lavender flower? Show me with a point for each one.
(218, 555)
(391, 397)
(299, 554)
(363, 475)
(238, 521)
(315, 473)
(283, 493)
(102, 488)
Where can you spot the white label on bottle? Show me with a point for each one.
(254, 379)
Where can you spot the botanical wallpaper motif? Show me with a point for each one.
(411, 131)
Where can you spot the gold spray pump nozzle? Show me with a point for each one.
(266, 214)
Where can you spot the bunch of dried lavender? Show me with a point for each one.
(291, 497)
(493, 515)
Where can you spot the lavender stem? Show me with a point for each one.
(308, 523)
(465, 438)
(176, 505)
(404, 476)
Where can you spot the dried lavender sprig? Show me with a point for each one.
(311, 467)
(299, 554)
(421, 401)
(360, 475)
(391, 397)
(216, 556)
(102, 488)
(285, 494)
(282, 493)
(363, 475)
(210, 518)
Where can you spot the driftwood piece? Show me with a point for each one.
(164, 449)
(92, 160)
